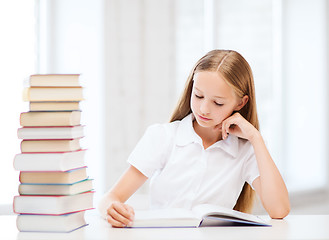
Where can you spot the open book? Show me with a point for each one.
(200, 216)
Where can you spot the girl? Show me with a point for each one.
(210, 152)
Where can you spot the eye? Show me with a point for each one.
(197, 96)
(219, 104)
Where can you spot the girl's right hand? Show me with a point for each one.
(120, 214)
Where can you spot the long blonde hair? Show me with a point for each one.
(237, 73)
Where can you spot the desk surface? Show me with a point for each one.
(292, 227)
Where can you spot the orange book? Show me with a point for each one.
(43, 119)
(54, 80)
(53, 94)
(58, 145)
(53, 177)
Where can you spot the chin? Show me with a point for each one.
(204, 124)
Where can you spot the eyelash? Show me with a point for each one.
(200, 97)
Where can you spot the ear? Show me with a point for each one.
(243, 102)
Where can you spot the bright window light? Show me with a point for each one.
(17, 61)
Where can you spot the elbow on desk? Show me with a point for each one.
(280, 212)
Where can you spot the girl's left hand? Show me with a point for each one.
(238, 126)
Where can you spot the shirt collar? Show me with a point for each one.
(229, 145)
(186, 135)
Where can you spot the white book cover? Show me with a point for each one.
(61, 161)
(67, 132)
(51, 223)
(53, 205)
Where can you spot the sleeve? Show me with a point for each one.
(149, 154)
(250, 172)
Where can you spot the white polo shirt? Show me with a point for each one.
(184, 174)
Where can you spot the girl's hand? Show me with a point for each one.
(238, 126)
(120, 214)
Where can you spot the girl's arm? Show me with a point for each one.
(269, 185)
(112, 205)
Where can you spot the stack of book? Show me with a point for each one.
(54, 189)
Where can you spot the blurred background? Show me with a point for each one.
(135, 55)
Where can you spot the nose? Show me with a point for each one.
(205, 108)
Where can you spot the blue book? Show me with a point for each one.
(55, 189)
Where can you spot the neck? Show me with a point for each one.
(208, 135)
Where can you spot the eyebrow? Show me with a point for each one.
(201, 91)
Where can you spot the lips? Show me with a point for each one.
(203, 118)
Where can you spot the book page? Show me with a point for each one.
(206, 210)
(168, 213)
(171, 217)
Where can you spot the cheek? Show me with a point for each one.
(226, 112)
(193, 103)
(222, 113)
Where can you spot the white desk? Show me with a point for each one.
(293, 227)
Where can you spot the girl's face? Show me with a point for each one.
(212, 99)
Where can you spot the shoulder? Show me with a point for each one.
(152, 150)
(163, 130)
(179, 132)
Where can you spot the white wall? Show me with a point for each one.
(305, 93)
(136, 54)
(17, 62)
(71, 40)
(140, 74)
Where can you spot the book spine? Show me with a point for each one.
(52, 150)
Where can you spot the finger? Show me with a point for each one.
(230, 128)
(236, 114)
(225, 131)
(114, 222)
(218, 127)
(227, 124)
(121, 209)
(233, 120)
(131, 211)
(119, 217)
